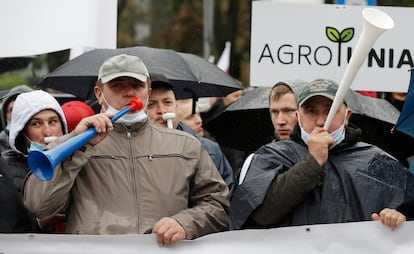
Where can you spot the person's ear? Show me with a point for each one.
(348, 115)
(98, 94)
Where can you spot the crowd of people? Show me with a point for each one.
(154, 171)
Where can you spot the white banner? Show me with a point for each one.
(361, 237)
(290, 41)
(30, 27)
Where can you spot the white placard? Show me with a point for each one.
(289, 41)
(30, 27)
(356, 238)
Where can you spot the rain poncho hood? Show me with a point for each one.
(26, 106)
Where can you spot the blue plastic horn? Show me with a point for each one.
(43, 163)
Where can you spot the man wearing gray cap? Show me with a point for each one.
(133, 177)
(321, 176)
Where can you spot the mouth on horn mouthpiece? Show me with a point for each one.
(135, 104)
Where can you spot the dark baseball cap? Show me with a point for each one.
(322, 87)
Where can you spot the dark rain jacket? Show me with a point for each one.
(218, 157)
(14, 217)
(17, 168)
(284, 185)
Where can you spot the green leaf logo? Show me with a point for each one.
(333, 34)
(339, 37)
(347, 34)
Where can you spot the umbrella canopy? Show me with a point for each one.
(190, 74)
(246, 123)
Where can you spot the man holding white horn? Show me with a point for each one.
(322, 176)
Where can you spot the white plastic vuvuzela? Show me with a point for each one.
(375, 23)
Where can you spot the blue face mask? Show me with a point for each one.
(34, 146)
(338, 135)
(7, 128)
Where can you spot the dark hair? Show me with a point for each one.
(21, 142)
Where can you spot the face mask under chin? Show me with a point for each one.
(34, 146)
(338, 135)
(130, 118)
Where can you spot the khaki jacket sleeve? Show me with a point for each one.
(208, 202)
(45, 198)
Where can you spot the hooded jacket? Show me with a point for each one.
(10, 96)
(284, 185)
(130, 180)
(25, 107)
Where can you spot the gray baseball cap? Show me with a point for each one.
(123, 66)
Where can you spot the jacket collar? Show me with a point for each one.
(135, 127)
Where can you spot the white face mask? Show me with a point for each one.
(204, 104)
(338, 135)
(303, 134)
(128, 119)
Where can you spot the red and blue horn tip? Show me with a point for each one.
(135, 104)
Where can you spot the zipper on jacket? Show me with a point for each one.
(114, 157)
(135, 179)
(153, 156)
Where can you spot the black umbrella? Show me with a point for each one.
(190, 74)
(246, 123)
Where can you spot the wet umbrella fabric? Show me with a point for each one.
(246, 123)
(190, 74)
